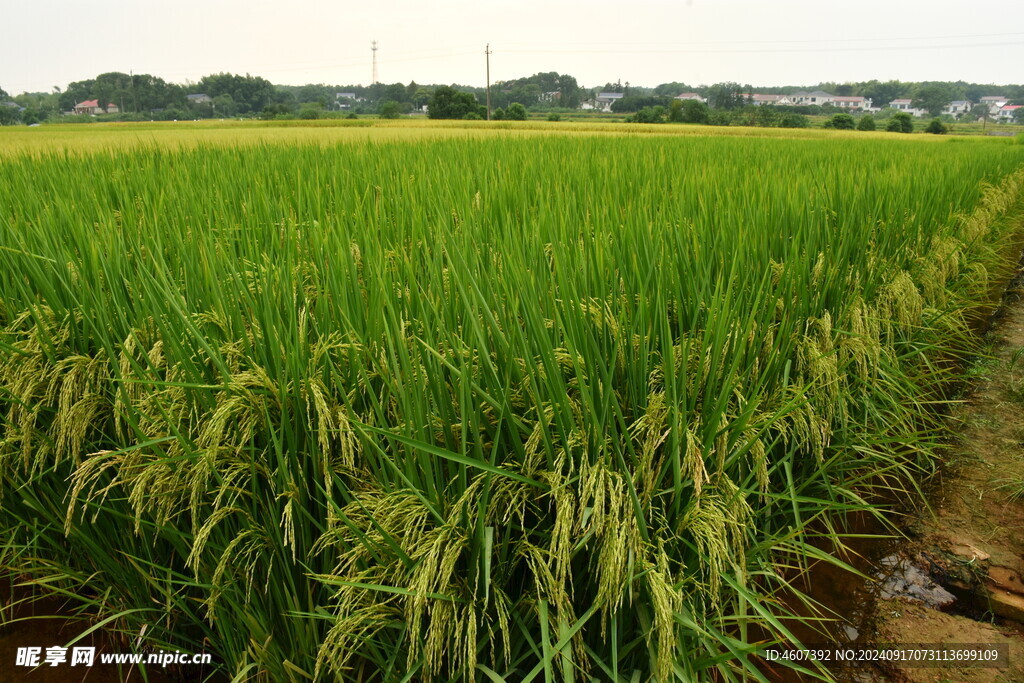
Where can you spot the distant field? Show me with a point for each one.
(459, 401)
(95, 137)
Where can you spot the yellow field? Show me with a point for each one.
(76, 138)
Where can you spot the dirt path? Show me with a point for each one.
(972, 544)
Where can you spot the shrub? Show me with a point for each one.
(900, 123)
(867, 122)
(389, 109)
(694, 112)
(841, 122)
(498, 114)
(794, 121)
(515, 112)
(472, 116)
(554, 117)
(936, 127)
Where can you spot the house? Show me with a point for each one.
(345, 100)
(605, 100)
(760, 100)
(852, 103)
(1006, 112)
(553, 96)
(818, 97)
(957, 108)
(691, 96)
(93, 108)
(994, 103)
(904, 104)
(199, 98)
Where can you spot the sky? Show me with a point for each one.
(50, 43)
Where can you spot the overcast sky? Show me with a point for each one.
(645, 42)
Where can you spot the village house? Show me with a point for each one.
(856, 103)
(994, 103)
(690, 96)
(93, 108)
(957, 108)
(818, 97)
(904, 104)
(761, 100)
(199, 98)
(345, 100)
(1006, 112)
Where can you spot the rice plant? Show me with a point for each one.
(513, 409)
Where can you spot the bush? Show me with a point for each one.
(554, 117)
(840, 122)
(389, 109)
(472, 116)
(936, 127)
(694, 112)
(515, 112)
(309, 113)
(351, 115)
(794, 121)
(900, 123)
(867, 122)
(719, 118)
(448, 103)
(498, 114)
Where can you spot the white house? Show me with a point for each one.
(852, 103)
(1006, 112)
(994, 103)
(818, 97)
(957, 108)
(93, 107)
(690, 96)
(345, 100)
(199, 98)
(904, 104)
(761, 100)
(605, 100)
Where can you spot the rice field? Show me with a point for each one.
(448, 406)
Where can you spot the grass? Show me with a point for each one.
(457, 408)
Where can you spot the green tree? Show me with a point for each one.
(881, 94)
(841, 122)
(932, 98)
(728, 95)
(389, 109)
(9, 116)
(792, 120)
(498, 115)
(901, 122)
(448, 103)
(936, 127)
(695, 111)
(867, 122)
(515, 112)
(1018, 115)
(675, 112)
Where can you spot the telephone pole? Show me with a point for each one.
(374, 48)
(487, 54)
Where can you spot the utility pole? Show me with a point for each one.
(487, 54)
(374, 48)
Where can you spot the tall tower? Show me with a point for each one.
(373, 47)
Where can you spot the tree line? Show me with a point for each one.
(145, 97)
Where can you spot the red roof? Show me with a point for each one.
(1011, 107)
(93, 103)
